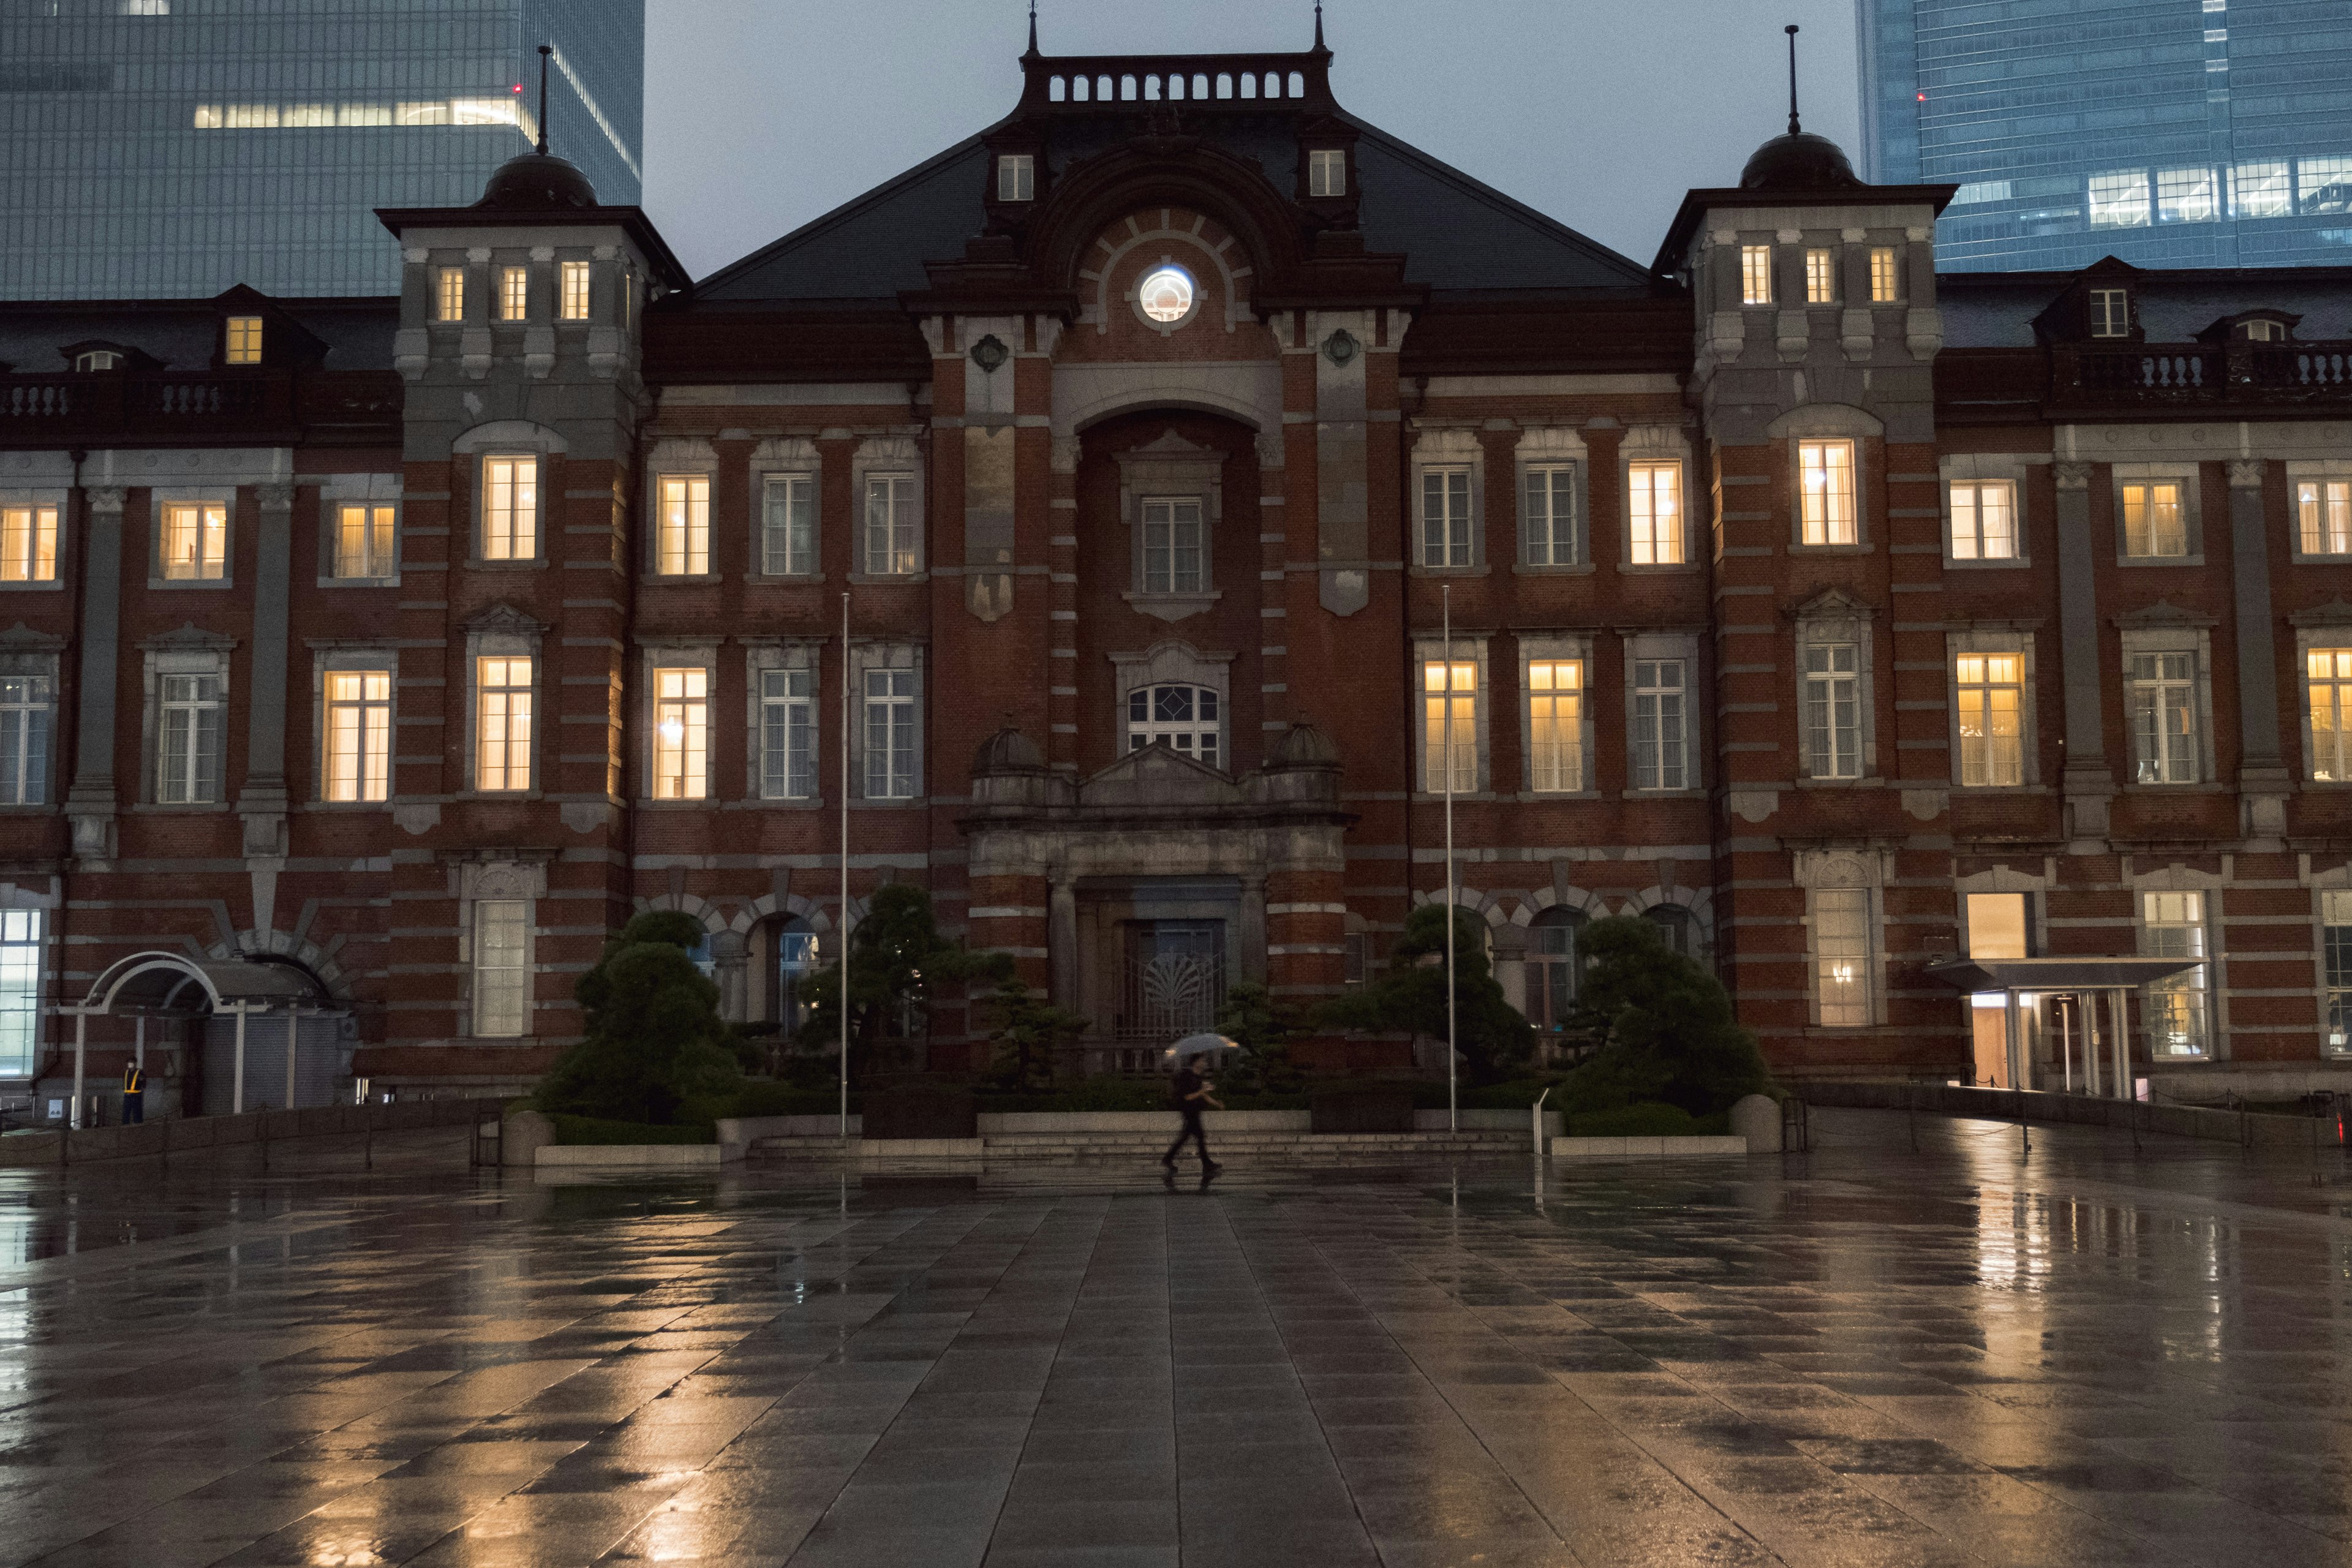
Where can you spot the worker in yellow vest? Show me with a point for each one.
(134, 1093)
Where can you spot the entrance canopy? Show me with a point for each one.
(1977, 974)
(173, 984)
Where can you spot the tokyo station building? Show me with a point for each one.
(1947, 662)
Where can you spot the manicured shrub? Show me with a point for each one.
(654, 1040)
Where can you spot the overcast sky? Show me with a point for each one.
(762, 114)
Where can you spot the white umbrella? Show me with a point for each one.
(1200, 1046)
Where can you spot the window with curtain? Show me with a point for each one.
(1661, 752)
(514, 293)
(1832, 708)
(1556, 724)
(2176, 1010)
(2323, 508)
(890, 525)
(510, 509)
(28, 544)
(1989, 688)
(1655, 491)
(788, 525)
(788, 735)
(1549, 530)
(681, 733)
(450, 294)
(2164, 718)
(501, 968)
(359, 734)
(576, 291)
(2110, 313)
(1445, 517)
(1843, 944)
(1016, 177)
(1826, 470)
(1173, 546)
(189, 724)
(502, 719)
(889, 735)
(2328, 676)
(1755, 274)
(363, 540)
(1820, 277)
(1885, 283)
(682, 540)
(1449, 725)
(27, 714)
(1984, 520)
(196, 541)
(1327, 172)
(2155, 522)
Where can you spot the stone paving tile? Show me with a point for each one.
(1858, 1357)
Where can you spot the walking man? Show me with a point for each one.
(134, 1093)
(1193, 1094)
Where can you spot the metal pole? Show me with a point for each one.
(82, 1045)
(2066, 1036)
(140, 1049)
(237, 1095)
(289, 1058)
(1445, 603)
(844, 865)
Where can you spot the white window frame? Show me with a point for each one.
(2178, 922)
(216, 547)
(786, 706)
(1970, 509)
(682, 525)
(1159, 570)
(515, 533)
(1471, 776)
(1016, 177)
(28, 729)
(1755, 279)
(1203, 737)
(24, 973)
(2319, 505)
(2192, 645)
(2332, 911)
(1454, 532)
(679, 691)
(1851, 966)
(899, 461)
(1820, 274)
(29, 538)
(1982, 647)
(892, 544)
(1668, 541)
(514, 293)
(788, 529)
(1548, 486)
(1564, 767)
(378, 524)
(182, 707)
(1327, 172)
(448, 295)
(1885, 276)
(575, 285)
(366, 490)
(1448, 451)
(1650, 702)
(2310, 642)
(1819, 526)
(326, 706)
(2117, 198)
(2110, 314)
(788, 459)
(241, 341)
(890, 722)
(484, 649)
(2147, 476)
(1974, 471)
(520, 974)
(907, 660)
(1830, 678)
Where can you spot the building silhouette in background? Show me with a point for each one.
(2166, 133)
(174, 148)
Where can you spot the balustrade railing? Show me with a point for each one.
(2260, 374)
(193, 404)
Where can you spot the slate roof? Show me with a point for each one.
(182, 334)
(1996, 310)
(1457, 234)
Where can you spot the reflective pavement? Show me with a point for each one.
(1859, 1355)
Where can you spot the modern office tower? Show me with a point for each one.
(2166, 133)
(176, 148)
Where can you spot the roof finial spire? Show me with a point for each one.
(1793, 126)
(544, 51)
(1318, 24)
(1033, 27)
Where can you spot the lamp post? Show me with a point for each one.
(1445, 603)
(844, 869)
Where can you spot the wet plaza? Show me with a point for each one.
(1861, 1356)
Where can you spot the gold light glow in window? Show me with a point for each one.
(244, 339)
(681, 734)
(28, 544)
(359, 734)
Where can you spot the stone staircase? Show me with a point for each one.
(1240, 1150)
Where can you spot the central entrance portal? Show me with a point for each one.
(1155, 954)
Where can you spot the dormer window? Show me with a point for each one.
(2110, 313)
(1016, 177)
(244, 339)
(97, 359)
(1327, 172)
(2263, 332)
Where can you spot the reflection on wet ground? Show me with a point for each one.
(1859, 1355)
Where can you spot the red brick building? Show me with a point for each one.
(1125, 464)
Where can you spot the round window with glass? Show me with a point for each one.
(1166, 294)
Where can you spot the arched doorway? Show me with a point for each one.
(267, 1032)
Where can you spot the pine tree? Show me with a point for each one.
(1492, 1037)
(654, 1040)
(1663, 1026)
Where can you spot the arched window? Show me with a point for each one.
(1554, 968)
(1184, 717)
(1677, 927)
(795, 963)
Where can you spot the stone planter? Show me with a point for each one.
(1367, 1108)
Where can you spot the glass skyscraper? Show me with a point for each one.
(2167, 133)
(158, 149)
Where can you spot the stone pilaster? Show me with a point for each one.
(2088, 783)
(2263, 781)
(91, 801)
(262, 803)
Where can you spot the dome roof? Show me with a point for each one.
(538, 181)
(1303, 745)
(1007, 752)
(1800, 160)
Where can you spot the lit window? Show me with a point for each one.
(450, 294)
(889, 735)
(681, 734)
(244, 339)
(2155, 523)
(514, 293)
(196, 541)
(2164, 718)
(421, 111)
(96, 360)
(1755, 274)
(1991, 691)
(363, 540)
(2260, 190)
(20, 991)
(1884, 286)
(503, 694)
(1834, 711)
(1555, 968)
(2328, 672)
(209, 117)
(787, 735)
(2322, 185)
(27, 714)
(363, 114)
(1842, 957)
(1172, 545)
(1166, 294)
(1445, 517)
(1549, 534)
(1820, 277)
(359, 734)
(1182, 718)
(1449, 729)
(2173, 926)
(1996, 925)
(2119, 199)
(1656, 490)
(309, 114)
(252, 116)
(1660, 751)
(28, 544)
(788, 525)
(2186, 196)
(188, 740)
(1984, 520)
(509, 509)
(2336, 921)
(2325, 510)
(1828, 471)
(2263, 332)
(1556, 724)
(1016, 177)
(1327, 172)
(576, 291)
(890, 525)
(501, 968)
(2110, 313)
(682, 544)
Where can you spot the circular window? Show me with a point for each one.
(1166, 294)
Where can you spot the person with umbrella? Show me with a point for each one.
(1193, 1093)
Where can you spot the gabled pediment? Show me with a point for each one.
(502, 617)
(1161, 777)
(22, 638)
(1834, 605)
(187, 637)
(2164, 613)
